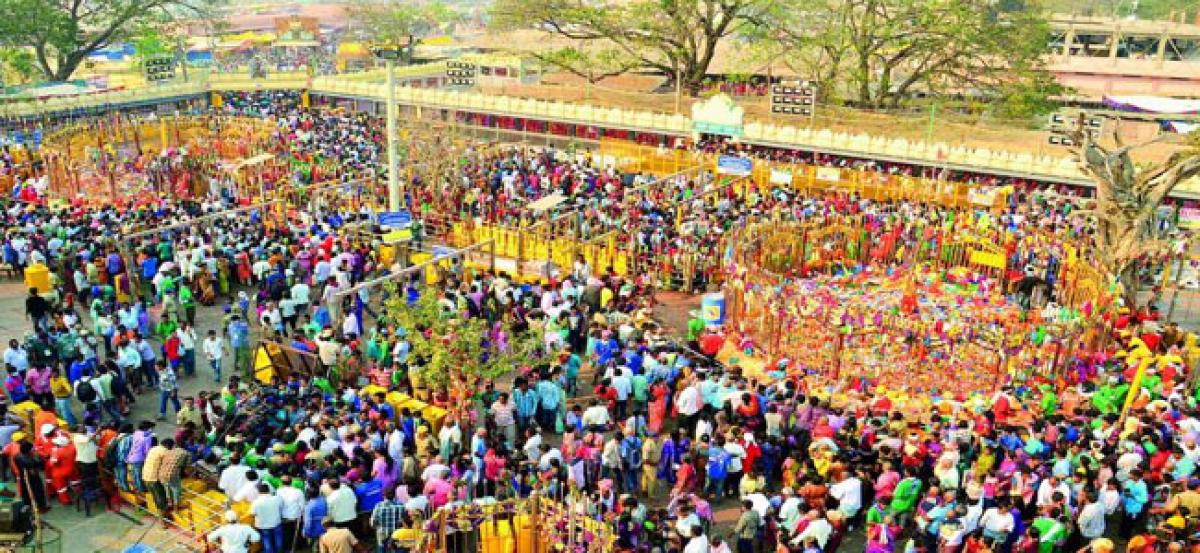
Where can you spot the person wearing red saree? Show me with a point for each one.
(657, 407)
(685, 477)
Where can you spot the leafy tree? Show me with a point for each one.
(450, 350)
(400, 24)
(1143, 9)
(887, 50)
(149, 42)
(1029, 98)
(592, 67)
(18, 65)
(1127, 201)
(674, 37)
(63, 33)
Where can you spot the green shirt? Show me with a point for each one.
(695, 327)
(1051, 532)
(640, 387)
(186, 298)
(905, 496)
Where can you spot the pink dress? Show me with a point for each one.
(379, 469)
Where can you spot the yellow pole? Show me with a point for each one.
(1133, 390)
(162, 133)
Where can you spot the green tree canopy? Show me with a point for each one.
(449, 350)
(888, 50)
(400, 24)
(670, 36)
(63, 33)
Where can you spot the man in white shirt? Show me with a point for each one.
(818, 529)
(1091, 518)
(997, 522)
(596, 415)
(300, 295)
(85, 453)
(698, 543)
(233, 478)
(16, 359)
(688, 404)
(789, 510)
(268, 519)
(233, 537)
(736, 454)
(435, 470)
(249, 491)
(623, 385)
(686, 520)
(214, 352)
(848, 492)
(293, 508)
(1045, 491)
(342, 503)
(187, 347)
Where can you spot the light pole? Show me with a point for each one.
(389, 57)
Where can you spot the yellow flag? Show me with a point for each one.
(1135, 386)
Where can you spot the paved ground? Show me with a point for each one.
(106, 531)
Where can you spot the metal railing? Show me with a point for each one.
(1056, 169)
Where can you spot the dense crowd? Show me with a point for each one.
(649, 432)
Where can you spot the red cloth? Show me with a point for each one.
(61, 470)
(710, 343)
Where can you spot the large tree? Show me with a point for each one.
(400, 24)
(63, 33)
(1128, 196)
(885, 51)
(674, 37)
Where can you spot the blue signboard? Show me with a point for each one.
(395, 219)
(37, 137)
(734, 165)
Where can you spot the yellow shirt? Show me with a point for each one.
(154, 459)
(60, 387)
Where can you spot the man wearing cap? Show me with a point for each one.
(233, 536)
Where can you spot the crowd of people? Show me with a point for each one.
(631, 427)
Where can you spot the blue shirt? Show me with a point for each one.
(1134, 496)
(146, 351)
(314, 512)
(239, 334)
(149, 267)
(369, 494)
(526, 402)
(78, 369)
(549, 393)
